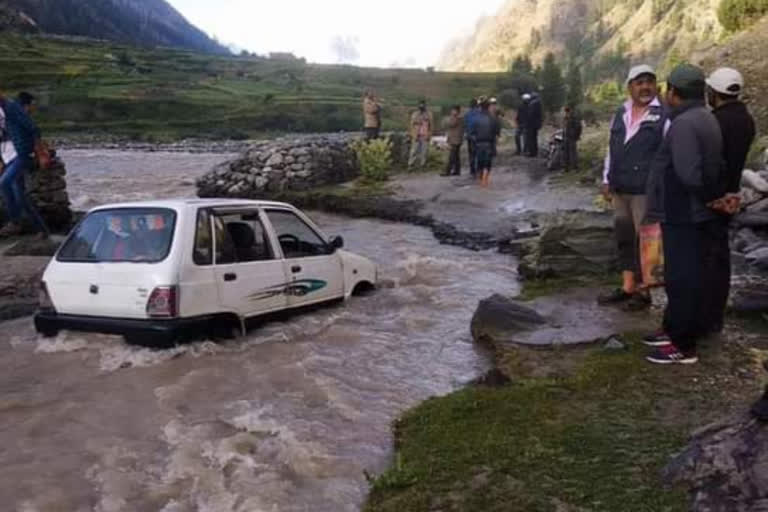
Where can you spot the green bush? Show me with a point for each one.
(375, 159)
(739, 14)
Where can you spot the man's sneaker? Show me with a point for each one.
(657, 339)
(670, 354)
(614, 297)
(638, 302)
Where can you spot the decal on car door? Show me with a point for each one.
(298, 288)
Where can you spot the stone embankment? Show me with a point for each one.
(294, 163)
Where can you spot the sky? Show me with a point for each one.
(400, 33)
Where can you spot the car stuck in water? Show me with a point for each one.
(158, 272)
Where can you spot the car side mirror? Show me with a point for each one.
(337, 243)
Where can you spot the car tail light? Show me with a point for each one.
(44, 298)
(163, 302)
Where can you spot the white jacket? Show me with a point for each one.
(7, 150)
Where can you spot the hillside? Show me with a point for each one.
(105, 88)
(138, 22)
(604, 36)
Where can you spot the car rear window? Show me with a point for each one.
(139, 235)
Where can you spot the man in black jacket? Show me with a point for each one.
(686, 177)
(738, 127)
(533, 125)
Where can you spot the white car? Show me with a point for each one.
(161, 271)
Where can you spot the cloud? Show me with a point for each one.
(346, 49)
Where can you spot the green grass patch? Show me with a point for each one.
(535, 288)
(595, 440)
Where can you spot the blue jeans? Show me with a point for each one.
(13, 190)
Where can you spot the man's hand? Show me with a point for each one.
(606, 191)
(730, 204)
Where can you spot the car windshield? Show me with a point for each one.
(139, 235)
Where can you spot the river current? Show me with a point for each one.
(287, 418)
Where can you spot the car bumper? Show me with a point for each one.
(46, 322)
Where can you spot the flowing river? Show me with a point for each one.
(286, 419)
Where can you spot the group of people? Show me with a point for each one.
(19, 137)
(481, 128)
(678, 163)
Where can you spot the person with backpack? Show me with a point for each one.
(469, 119)
(687, 175)
(24, 135)
(738, 128)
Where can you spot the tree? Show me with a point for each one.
(553, 90)
(521, 66)
(575, 89)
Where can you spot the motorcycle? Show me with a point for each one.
(556, 151)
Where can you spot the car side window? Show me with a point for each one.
(203, 252)
(241, 238)
(296, 238)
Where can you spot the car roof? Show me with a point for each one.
(180, 204)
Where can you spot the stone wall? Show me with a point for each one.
(48, 190)
(291, 163)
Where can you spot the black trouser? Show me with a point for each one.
(472, 152)
(571, 155)
(532, 142)
(519, 134)
(371, 133)
(454, 160)
(717, 273)
(686, 256)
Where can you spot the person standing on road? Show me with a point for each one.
(455, 136)
(637, 132)
(493, 109)
(522, 122)
(421, 135)
(571, 137)
(533, 125)
(688, 174)
(483, 132)
(19, 128)
(371, 115)
(738, 128)
(469, 118)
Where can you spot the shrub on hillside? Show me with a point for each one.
(375, 159)
(739, 14)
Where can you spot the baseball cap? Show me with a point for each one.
(686, 76)
(637, 71)
(492, 101)
(526, 96)
(726, 81)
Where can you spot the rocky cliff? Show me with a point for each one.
(604, 35)
(135, 22)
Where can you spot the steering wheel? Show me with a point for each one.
(288, 238)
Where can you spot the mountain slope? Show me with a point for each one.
(136, 22)
(596, 33)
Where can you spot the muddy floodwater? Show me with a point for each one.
(285, 419)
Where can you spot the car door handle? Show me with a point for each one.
(230, 277)
(295, 269)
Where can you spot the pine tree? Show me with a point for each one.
(553, 90)
(575, 89)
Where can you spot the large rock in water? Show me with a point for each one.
(291, 163)
(48, 191)
(570, 243)
(500, 319)
(726, 467)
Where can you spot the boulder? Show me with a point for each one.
(753, 180)
(499, 318)
(751, 219)
(573, 243)
(725, 466)
(749, 292)
(749, 196)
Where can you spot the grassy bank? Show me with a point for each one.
(595, 439)
(163, 94)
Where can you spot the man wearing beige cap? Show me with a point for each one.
(637, 132)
